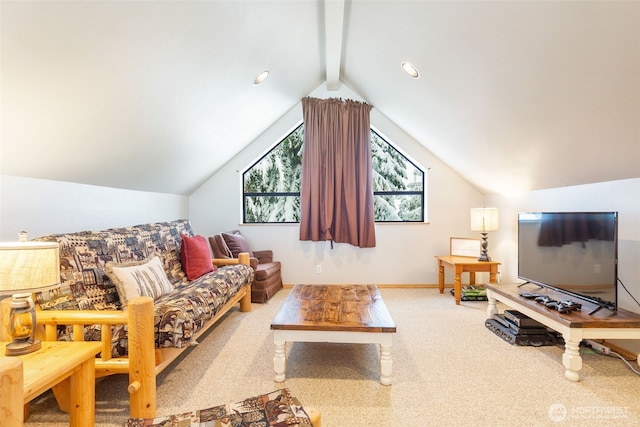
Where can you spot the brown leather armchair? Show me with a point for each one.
(267, 279)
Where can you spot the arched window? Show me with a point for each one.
(271, 186)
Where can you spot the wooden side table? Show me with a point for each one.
(462, 264)
(51, 366)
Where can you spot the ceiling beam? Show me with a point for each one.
(334, 28)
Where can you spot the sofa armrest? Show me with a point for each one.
(263, 256)
(140, 364)
(243, 258)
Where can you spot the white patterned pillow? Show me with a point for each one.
(146, 278)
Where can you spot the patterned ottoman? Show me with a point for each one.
(275, 409)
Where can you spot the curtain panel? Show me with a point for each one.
(336, 194)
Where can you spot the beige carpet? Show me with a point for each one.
(449, 370)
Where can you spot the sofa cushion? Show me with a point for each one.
(145, 278)
(195, 256)
(266, 270)
(178, 316)
(83, 255)
(236, 244)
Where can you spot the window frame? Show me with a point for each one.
(420, 193)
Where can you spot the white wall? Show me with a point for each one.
(44, 207)
(404, 253)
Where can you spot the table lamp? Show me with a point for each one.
(26, 267)
(484, 220)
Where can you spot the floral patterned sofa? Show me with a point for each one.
(144, 331)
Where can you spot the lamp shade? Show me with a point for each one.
(28, 266)
(484, 219)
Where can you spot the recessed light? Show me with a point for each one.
(410, 69)
(261, 77)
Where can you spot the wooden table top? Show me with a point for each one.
(603, 318)
(464, 260)
(350, 308)
(54, 361)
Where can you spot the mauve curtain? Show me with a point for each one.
(336, 195)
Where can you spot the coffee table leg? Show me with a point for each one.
(386, 364)
(279, 359)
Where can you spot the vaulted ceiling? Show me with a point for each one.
(157, 95)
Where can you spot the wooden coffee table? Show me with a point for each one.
(334, 313)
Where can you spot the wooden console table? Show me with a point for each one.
(70, 365)
(463, 264)
(574, 327)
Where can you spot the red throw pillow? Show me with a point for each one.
(195, 256)
(236, 244)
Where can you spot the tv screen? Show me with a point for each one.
(573, 252)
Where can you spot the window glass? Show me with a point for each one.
(271, 186)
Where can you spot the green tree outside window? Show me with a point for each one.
(271, 186)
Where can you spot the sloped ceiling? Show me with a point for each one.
(157, 95)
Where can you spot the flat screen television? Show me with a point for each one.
(572, 252)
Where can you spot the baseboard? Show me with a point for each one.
(385, 285)
(409, 285)
(627, 354)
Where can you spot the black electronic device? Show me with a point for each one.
(519, 336)
(544, 299)
(520, 330)
(529, 295)
(501, 319)
(568, 306)
(572, 252)
(521, 320)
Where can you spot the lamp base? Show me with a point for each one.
(484, 256)
(19, 347)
